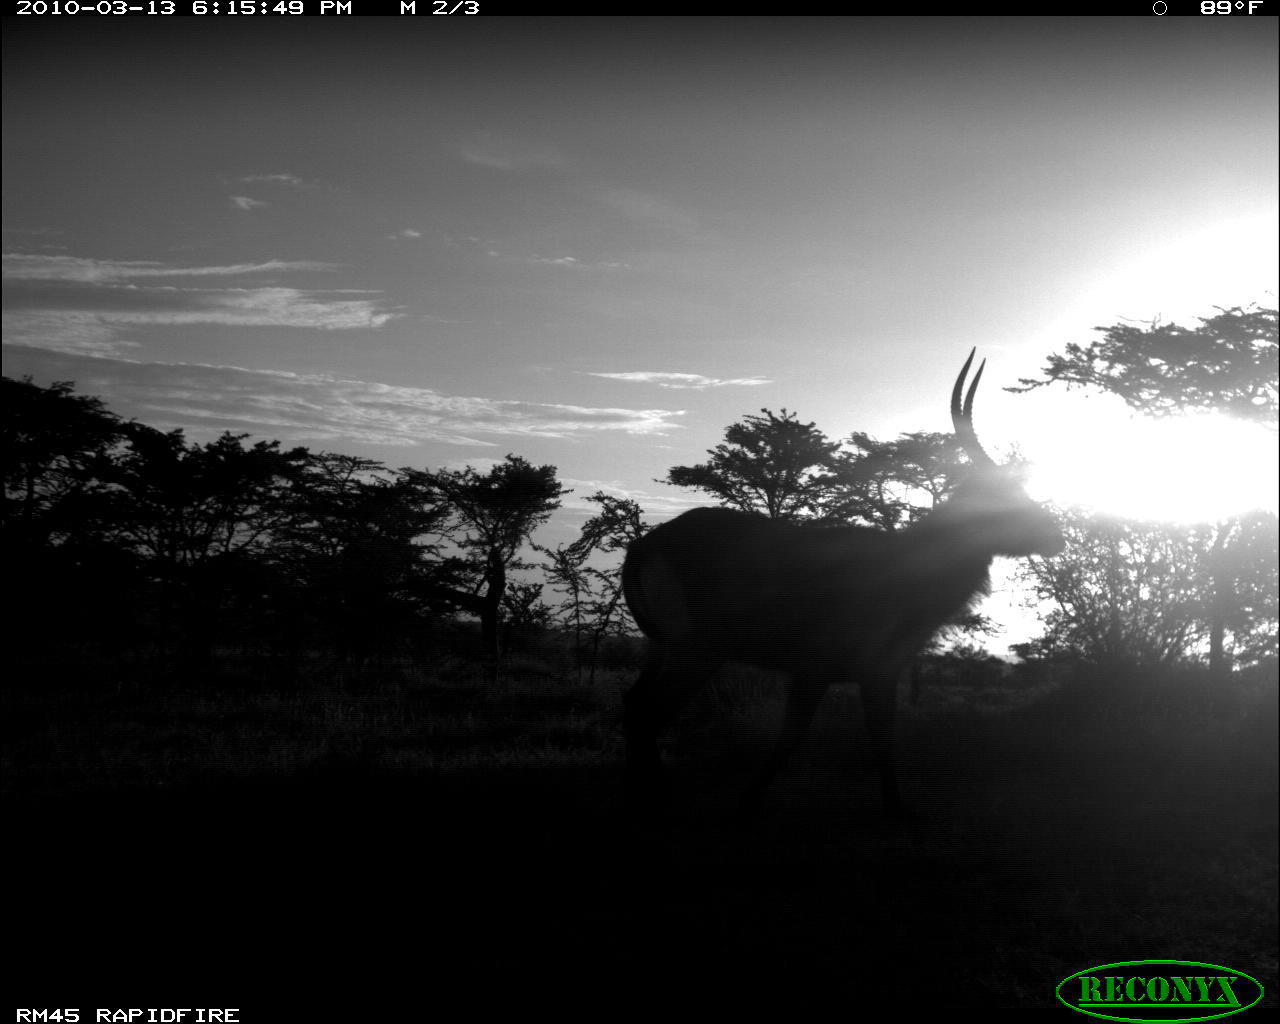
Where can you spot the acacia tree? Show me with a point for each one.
(490, 516)
(349, 562)
(1125, 594)
(594, 594)
(1228, 363)
(566, 568)
(188, 504)
(771, 464)
(201, 518)
(525, 615)
(1242, 574)
(56, 448)
(880, 483)
(67, 580)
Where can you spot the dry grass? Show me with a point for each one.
(404, 829)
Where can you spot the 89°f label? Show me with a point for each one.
(247, 7)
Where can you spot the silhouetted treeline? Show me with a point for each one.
(124, 543)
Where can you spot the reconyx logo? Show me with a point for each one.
(1171, 991)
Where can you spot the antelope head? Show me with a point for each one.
(990, 503)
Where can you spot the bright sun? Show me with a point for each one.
(1194, 468)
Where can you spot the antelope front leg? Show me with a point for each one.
(803, 698)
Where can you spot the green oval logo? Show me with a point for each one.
(1172, 991)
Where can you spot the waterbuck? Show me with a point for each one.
(822, 604)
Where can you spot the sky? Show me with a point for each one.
(596, 243)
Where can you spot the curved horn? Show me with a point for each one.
(962, 417)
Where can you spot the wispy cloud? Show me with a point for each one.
(67, 302)
(650, 210)
(247, 203)
(100, 329)
(63, 331)
(684, 381)
(30, 267)
(504, 152)
(656, 504)
(312, 408)
(273, 179)
(570, 262)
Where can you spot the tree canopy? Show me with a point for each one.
(772, 464)
(1161, 591)
(1229, 363)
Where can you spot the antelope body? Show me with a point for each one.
(823, 604)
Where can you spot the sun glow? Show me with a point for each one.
(1194, 468)
(1186, 273)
